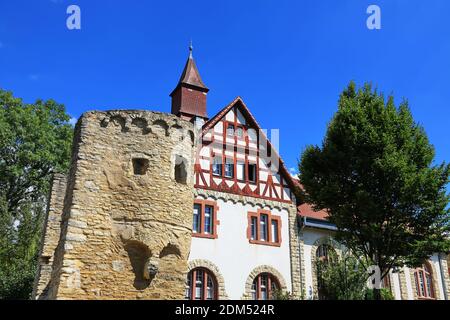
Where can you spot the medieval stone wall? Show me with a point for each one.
(127, 217)
(50, 236)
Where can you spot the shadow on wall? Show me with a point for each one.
(139, 254)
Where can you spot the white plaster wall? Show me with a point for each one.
(232, 253)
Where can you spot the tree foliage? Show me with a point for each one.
(342, 278)
(374, 174)
(35, 141)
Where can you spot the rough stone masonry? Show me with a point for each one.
(119, 226)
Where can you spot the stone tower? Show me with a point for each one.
(125, 228)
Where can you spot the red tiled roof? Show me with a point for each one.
(306, 210)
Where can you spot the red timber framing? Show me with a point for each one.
(270, 241)
(215, 222)
(240, 150)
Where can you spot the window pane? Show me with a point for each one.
(254, 288)
(187, 294)
(240, 170)
(417, 283)
(217, 166)
(210, 289)
(430, 292)
(196, 219)
(252, 172)
(263, 228)
(239, 132)
(230, 130)
(275, 231)
(421, 283)
(229, 166)
(199, 285)
(208, 219)
(263, 293)
(254, 222)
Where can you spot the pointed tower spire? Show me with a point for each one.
(189, 96)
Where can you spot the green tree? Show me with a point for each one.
(375, 176)
(35, 141)
(342, 278)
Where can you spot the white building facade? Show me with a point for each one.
(251, 239)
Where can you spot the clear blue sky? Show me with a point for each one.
(289, 60)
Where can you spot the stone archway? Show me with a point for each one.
(201, 263)
(258, 270)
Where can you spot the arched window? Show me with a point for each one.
(264, 286)
(424, 282)
(201, 285)
(324, 254)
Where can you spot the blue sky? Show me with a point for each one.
(289, 60)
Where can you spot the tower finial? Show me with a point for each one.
(190, 49)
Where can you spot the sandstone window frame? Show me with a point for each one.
(214, 222)
(269, 241)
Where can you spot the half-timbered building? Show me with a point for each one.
(250, 236)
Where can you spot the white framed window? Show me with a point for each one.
(263, 228)
(196, 218)
(240, 170)
(264, 285)
(204, 286)
(254, 228)
(209, 211)
(274, 225)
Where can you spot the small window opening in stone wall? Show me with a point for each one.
(140, 166)
(180, 170)
(45, 259)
